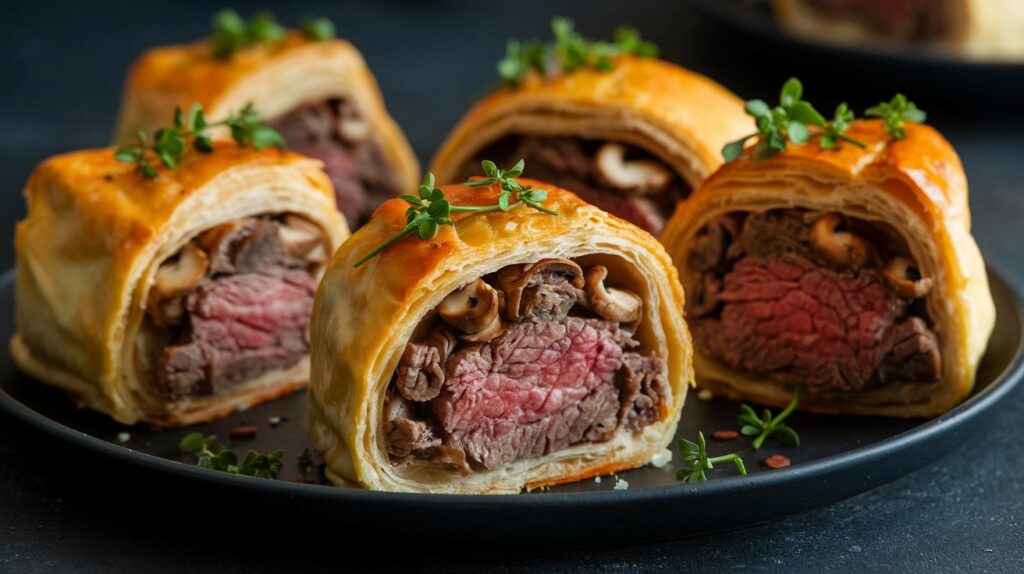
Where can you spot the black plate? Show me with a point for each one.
(839, 457)
(931, 77)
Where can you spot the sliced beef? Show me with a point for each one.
(643, 386)
(240, 326)
(537, 389)
(813, 327)
(569, 163)
(356, 168)
(420, 372)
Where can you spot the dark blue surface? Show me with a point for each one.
(60, 81)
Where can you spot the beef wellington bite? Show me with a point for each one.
(849, 275)
(515, 349)
(632, 140)
(319, 95)
(175, 299)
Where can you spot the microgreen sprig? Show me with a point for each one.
(431, 209)
(766, 426)
(695, 455)
(170, 144)
(211, 454)
(895, 112)
(230, 33)
(568, 52)
(791, 120)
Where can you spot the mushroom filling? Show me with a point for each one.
(521, 363)
(231, 305)
(819, 301)
(338, 134)
(619, 178)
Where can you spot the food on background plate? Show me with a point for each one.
(835, 258)
(173, 285)
(494, 336)
(981, 29)
(625, 131)
(313, 88)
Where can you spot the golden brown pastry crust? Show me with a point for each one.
(363, 317)
(87, 252)
(681, 117)
(276, 78)
(980, 29)
(917, 186)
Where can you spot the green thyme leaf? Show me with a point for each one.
(319, 29)
(569, 51)
(171, 144)
(215, 456)
(896, 111)
(790, 121)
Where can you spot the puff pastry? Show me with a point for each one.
(632, 141)
(172, 300)
(848, 274)
(984, 29)
(489, 360)
(319, 95)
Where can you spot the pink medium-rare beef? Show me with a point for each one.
(241, 326)
(819, 329)
(501, 399)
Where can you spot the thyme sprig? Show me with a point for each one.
(766, 426)
(791, 120)
(695, 454)
(895, 112)
(211, 454)
(569, 51)
(230, 33)
(428, 212)
(169, 145)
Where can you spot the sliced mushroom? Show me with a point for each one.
(905, 278)
(351, 126)
(175, 279)
(640, 176)
(179, 277)
(613, 304)
(515, 279)
(839, 247)
(302, 237)
(473, 310)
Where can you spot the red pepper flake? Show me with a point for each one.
(244, 432)
(725, 435)
(776, 461)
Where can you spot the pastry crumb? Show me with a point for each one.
(661, 458)
(597, 479)
(620, 484)
(705, 395)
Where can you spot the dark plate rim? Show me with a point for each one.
(975, 406)
(730, 12)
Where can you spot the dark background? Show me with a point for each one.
(60, 83)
